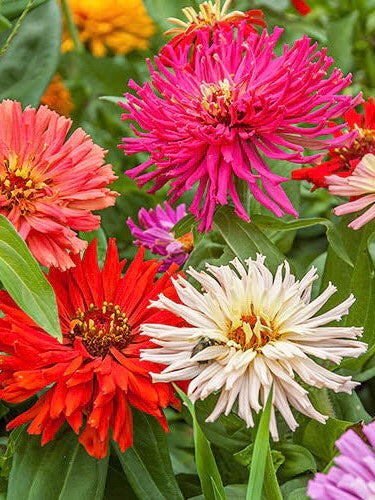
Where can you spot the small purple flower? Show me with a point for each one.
(157, 236)
(354, 476)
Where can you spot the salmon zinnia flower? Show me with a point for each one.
(118, 26)
(248, 330)
(95, 375)
(213, 119)
(49, 185)
(343, 160)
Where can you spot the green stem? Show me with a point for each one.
(271, 488)
(72, 28)
(16, 28)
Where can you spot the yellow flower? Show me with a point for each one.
(119, 26)
(57, 97)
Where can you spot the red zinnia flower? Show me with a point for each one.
(210, 16)
(302, 7)
(92, 378)
(49, 185)
(343, 160)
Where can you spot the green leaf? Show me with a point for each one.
(245, 239)
(340, 40)
(184, 225)
(333, 235)
(358, 280)
(4, 23)
(30, 61)
(295, 489)
(14, 8)
(320, 438)
(61, 469)
(24, 280)
(102, 243)
(297, 461)
(260, 454)
(212, 485)
(160, 10)
(147, 464)
(113, 99)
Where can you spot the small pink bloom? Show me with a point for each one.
(215, 118)
(157, 234)
(49, 185)
(360, 185)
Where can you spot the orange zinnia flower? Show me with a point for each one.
(49, 185)
(95, 375)
(57, 97)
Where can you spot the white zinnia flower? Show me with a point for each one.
(249, 330)
(360, 185)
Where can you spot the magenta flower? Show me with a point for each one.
(354, 476)
(214, 118)
(158, 237)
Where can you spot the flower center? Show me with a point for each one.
(17, 185)
(251, 332)
(101, 328)
(217, 99)
(363, 144)
(187, 242)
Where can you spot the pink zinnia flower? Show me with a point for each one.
(158, 236)
(212, 119)
(360, 186)
(49, 185)
(353, 477)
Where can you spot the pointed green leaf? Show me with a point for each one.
(25, 282)
(62, 469)
(245, 239)
(147, 463)
(260, 454)
(209, 475)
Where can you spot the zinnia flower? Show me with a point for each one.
(343, 160)
(213, 119)
(49, 185)
(118, 26)
(360, 186)
(248, 330)
(158, 237)
(94, 377)
(302, 7)
(354, 476)
(57, 97)
(211, 16)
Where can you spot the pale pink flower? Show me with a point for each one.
(248, 330)
(361, 186)
(212, 119)
(49, 184)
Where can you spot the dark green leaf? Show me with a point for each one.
(147, 464)
(102, 243)
(61, 469)
(24, 280)
(333, 235)
(14, 8)
(297, 461)
(4, 23)
(259, 458)
(212, 485)
(31, 59)
(295, 489)
(184, 225)
(245, 239)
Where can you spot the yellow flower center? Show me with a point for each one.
(19, 184)
(251, 332)
(187, 242)
(217, 99)
(100, 328)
